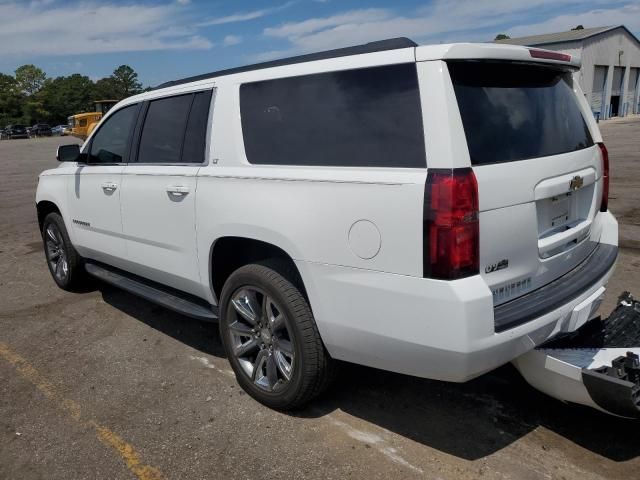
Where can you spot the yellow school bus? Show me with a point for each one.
(82, 124)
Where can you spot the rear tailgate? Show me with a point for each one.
(538, 171)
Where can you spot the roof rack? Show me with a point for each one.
(379, 46)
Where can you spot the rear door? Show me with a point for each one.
(159, 189)
(538, 171)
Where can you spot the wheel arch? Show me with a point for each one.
(44, 208)
(228, 253)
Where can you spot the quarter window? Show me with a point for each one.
(369, 117)
(109, 144)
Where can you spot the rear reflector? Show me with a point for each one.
(562, 57)
(450, 227)
(604, 204)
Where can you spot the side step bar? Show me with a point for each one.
(170, 299)
(598, 365)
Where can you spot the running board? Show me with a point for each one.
(598, 365)
(174, 300)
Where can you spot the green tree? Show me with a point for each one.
(30, 79)
(65, 96)
(125, 82)
(33, 111)
(502, 36)
(10, 100)
(105, 89)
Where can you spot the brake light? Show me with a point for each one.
(451, 227)
(547, 55)
(604, 204)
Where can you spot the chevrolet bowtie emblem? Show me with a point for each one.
(576, 182)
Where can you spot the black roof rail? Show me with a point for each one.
(379, 46)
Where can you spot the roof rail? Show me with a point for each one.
(379, 46)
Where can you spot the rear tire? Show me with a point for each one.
(271, 338)
(65, 264)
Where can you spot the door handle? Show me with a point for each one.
(109, 186)
(178, 190)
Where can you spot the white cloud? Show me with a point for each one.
(353, 17)
(627, 15)
(86, 28)
(459, 20)
(184, 2)
(244, 16)
(232, 40)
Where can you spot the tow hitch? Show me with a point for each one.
(598, 365)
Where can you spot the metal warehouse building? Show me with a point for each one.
(610, 65)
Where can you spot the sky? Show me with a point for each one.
(168, 39)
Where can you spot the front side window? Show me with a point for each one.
(369, 117)
(109, 144)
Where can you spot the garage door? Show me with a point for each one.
(597, 89)
(631, 101)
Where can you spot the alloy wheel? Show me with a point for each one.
(56, 253)
(261, 340)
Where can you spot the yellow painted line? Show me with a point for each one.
(125, 450)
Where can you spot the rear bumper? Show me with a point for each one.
(555, 294)
(435, 329)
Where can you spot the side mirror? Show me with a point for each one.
(69, 153)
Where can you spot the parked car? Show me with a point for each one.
(14, 131)
(59, 130)
(40, 130)
(436, 211)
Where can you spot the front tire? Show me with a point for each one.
(271, 338)
(65, 264)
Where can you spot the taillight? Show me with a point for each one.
(604, 204)
(450, 228)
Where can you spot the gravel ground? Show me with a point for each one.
(101, 384)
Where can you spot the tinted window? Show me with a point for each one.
(163, 131)
(368, 117)
(110, 142)
(515, 111)
(195, 136)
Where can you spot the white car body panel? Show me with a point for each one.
(159, 224)
(365, 286)
(94, 198)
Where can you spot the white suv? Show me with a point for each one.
(431, 210)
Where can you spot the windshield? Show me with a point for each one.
(514, 111)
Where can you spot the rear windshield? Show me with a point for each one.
(517, 111)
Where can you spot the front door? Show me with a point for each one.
(94, 193)
(159, 190)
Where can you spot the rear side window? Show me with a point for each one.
(195, 136)
(516, 111)
(163, 131)
(359, 118)
(174, 129)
